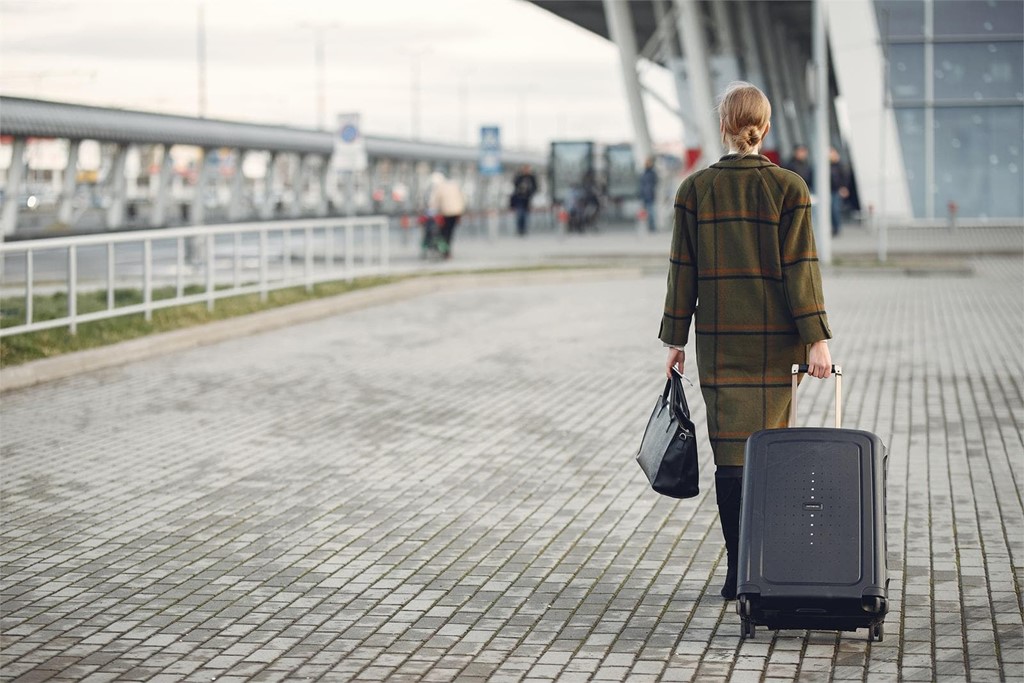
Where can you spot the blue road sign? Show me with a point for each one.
(490, 150)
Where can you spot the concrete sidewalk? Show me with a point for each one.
(443, 489)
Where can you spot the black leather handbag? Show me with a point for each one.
(668, 452)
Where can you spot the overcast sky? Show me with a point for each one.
(537, 76)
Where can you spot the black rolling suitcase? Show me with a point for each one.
(812, 530)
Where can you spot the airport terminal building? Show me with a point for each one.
(924, 100)
(927, 96)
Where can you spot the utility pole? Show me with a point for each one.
(823, 101)
(321, 83)
(415, 112)
(201, 58)
(320, 70)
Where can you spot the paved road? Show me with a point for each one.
(442, 489)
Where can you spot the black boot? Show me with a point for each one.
(729, 490)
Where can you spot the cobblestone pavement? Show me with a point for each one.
(473, 249)
(443, 489)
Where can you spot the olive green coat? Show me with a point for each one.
(743, 262)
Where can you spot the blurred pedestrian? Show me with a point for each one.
(801, 165)
(524, 186)
(447, 204)
(753, 267)
(648, 191)
(840, 181)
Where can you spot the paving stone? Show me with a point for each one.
(442, 489)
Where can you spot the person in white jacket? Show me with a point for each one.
(447, 202)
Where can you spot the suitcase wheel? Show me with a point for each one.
(747, 628)
(743, 606)
(877, 632)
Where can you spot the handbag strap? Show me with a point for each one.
(678, 404)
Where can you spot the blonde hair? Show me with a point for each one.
(744, 112)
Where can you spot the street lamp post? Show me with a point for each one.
(320, 66)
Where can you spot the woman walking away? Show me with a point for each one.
(743, 249)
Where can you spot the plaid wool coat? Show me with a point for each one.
(743, 263)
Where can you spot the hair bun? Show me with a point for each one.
(751, 135)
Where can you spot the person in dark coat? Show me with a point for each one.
(840, 181)
(524, 186)
(648, 190)
(799, 164)
(743, 248)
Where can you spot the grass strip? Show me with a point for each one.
(22, 348)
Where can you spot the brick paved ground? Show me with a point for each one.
(443, 489)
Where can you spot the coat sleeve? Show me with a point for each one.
(681, 298)
(800, 272)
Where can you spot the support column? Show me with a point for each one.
(301, 176)
(753, 69)
(691, 29)
(236, 205)
(819, 154)
(620, 27)
(269, 179)
(787, 103)
(324, 174)
(67, 190)
(676, 64)
(776, 88)
(798, 66)
(725, 64)
(198, 201)
(118, 185)
(158, 218)
(12, 190)
(929, 109)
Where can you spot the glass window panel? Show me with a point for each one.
(910, 124)
(978, 161)
(906, 72)
(978, 71)
(900, 18)
(978, 17)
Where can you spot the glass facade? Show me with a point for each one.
(956, 80)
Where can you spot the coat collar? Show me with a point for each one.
(749, 161)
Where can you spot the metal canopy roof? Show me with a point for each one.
(24, 117)
(795, 15)
(39, 118)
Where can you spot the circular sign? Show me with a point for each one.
(349, 133)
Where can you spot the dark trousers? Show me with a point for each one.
(448, 224)
(837, 213)
(522, 219)
(652, 224)
(729, 494)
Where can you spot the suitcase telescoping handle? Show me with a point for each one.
(838, 372)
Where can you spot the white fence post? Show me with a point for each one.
(73, 288)
(156, 245)
(350, 247)
(147, 279)
(263, 265)
(309, 260)
(110, 275)
(29, 294)
(211, 266)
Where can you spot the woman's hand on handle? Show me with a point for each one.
(819, 360)
(675, 357)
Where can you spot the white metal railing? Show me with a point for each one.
(224, 260)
